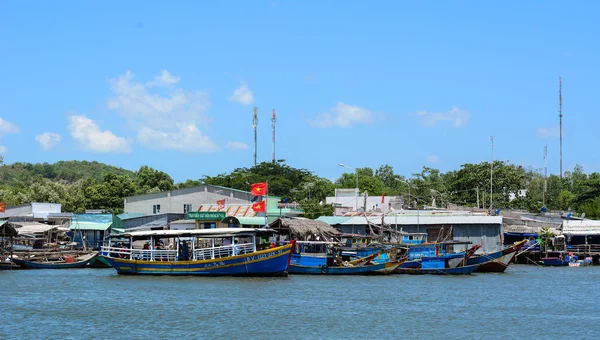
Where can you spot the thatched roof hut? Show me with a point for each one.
(304, 229)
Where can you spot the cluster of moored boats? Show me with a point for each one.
(259, 252)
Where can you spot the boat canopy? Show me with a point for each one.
(207, 233)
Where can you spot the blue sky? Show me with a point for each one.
(172, 85)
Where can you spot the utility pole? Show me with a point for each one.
(273, 120)
(545, 174)
(560, 119)
(254, 124)
(491, 175)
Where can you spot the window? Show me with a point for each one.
(156, 209)
(187, 208)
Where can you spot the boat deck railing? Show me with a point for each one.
(223, 251)
(172, 255)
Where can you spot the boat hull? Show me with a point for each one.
(270, 262)
(24, 264)
(464, 270)
(496, 262)
(554, 262)
(8, 266)
(374, 269)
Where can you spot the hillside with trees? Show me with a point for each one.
(80, 185)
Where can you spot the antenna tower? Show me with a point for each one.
(491, 174)
(545, 174)
(560, 117)
(273, 120)
(254, 124)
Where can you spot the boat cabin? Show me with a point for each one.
(188, 245)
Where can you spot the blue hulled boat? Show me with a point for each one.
(438, 258)
(558, 259)
(326, 258)
(209, 252)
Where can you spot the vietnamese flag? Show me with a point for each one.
(383, 198)
(2, 207)
(259, 206)
(258, 189)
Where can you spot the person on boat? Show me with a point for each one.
(184, 251)
(147, 246)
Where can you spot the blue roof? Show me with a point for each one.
(125, 216)
(333, 220)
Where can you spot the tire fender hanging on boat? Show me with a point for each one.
(324, 269)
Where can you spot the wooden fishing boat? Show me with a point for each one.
(558, 259)
(63, 263)
(496, 262)
(444, 264)
(367, 269)
(325, 258)
(464, 270)
(8, 266)
(208, 252)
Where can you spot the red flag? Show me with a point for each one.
(221, 204)
(259, 206)
(258, 189)
(2, 207)
(383, 198)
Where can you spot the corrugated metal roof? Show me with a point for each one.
(251, 220)
(125, 216)
(581, 227)
(237, 210)
(333, 220)
(429, 220)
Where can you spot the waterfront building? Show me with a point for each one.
(200, 204)
(438, 225)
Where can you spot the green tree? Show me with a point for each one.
(151, 180)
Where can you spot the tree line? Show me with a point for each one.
(80, 185)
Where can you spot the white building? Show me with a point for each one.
(346, 200)
(33, 211)
(185, 200)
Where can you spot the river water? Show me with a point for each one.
(526, 302)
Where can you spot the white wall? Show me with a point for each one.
(173, 201)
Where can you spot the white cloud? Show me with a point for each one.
(343, 115)
(90, 137)
(433, 159)
(48, 140)
(167, 121)
(457, 117)
(165, 79)
(237, 146)
(548, 132)
(7, 127)
(186, 138)
(242, 95)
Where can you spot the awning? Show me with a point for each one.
(90, 226)
(521, 234)
(244, 220)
